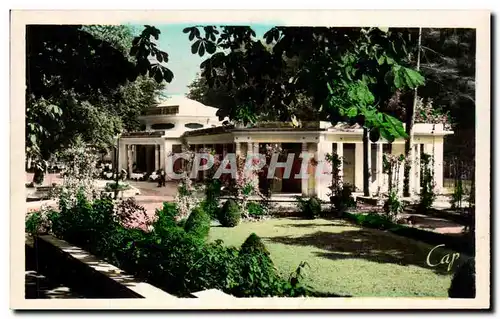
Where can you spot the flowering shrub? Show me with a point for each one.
(132, 215)
(393, 206)
(186, 199)
(40, 221)
(425, 112)
(81, 170)
(341, 193)
(427, 195)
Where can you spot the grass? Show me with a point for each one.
(346, 259)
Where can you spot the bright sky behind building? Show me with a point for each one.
(182, 62)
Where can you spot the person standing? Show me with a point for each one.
(162, 177)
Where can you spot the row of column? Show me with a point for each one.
(128, 156)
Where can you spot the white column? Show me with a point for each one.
(162, 155)
(250, 148)
(238, 149)
(398, 149)
(369, 158)
(167, 150)
(205, 172)
(340, 153)
(358, 167)
(313, 148)
(411, 179)
(157, 157)
(224, 151)
(134, 152)
(380, 166)
(122, 156)
(256, 148)
(416, 181)
(438, 165)
(129, 159)
(323, 176)
(304, 181)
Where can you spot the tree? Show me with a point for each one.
(75, 78)
(349, 73)
(448, 62)
(410, 118)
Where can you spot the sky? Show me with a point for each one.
(182, 62)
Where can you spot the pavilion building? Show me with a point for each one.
(180, 121)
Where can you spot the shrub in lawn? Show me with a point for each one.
(211, 207)
(255, 209)
(463, 283)
(341, 193)
(253, 243)
(372, 220)
(198, 223)
(343, 199)
(212, 195)
(310, 207)
(230, 214)
(165, 218)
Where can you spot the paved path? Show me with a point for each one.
(152, 196)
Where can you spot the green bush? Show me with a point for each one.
(198, 223)
(310, 208)
(342, 199)
(252, 244)
(33, 223)
(427, 195)
(371, 220)
(230, 214)
(165, 218)
(255, 209)
(211, 207)
(463, 283)
(393, 206)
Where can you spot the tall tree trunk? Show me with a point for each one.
(410, 118)
(366, 173)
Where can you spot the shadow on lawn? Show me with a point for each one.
(369, 245)
(311, 225)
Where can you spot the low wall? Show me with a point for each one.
(85, 272)
(92, 276)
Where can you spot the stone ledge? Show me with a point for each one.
(111, 277)
(212, 293)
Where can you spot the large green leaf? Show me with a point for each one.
(352, 112)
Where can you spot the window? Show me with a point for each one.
(162, 126)
(193, 125)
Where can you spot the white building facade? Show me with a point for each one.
(181, 121)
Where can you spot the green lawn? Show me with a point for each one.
(346, 259)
